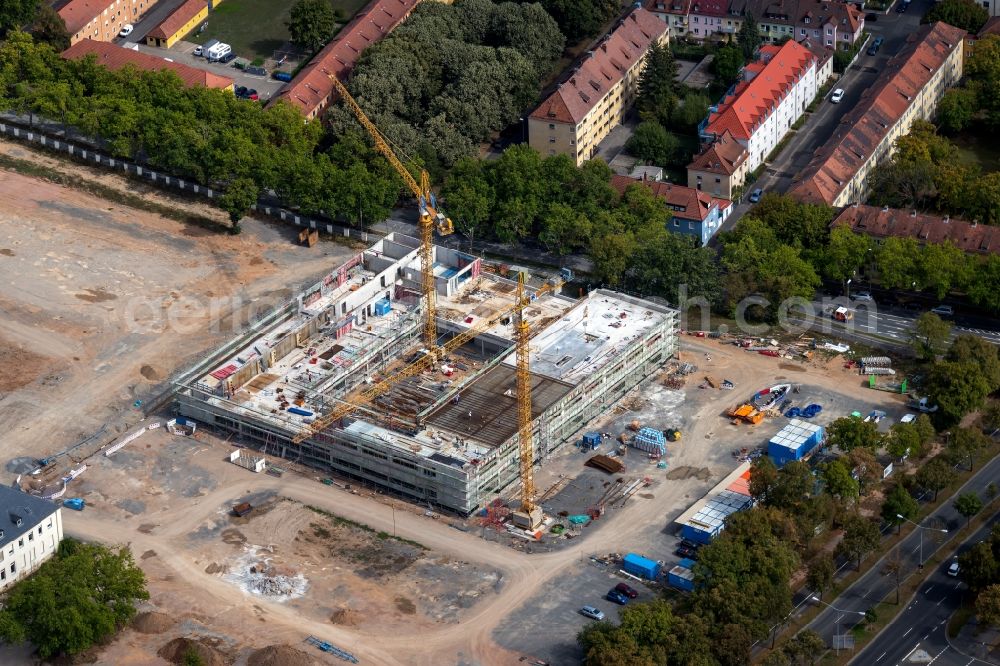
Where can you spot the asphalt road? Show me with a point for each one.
(895, 323)
(875, 584)
(153, 17)
(923, 625)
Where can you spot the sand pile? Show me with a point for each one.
(175, 652)
(152, 622)
(280, 655)
(347, 617)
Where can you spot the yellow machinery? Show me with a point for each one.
(429, 216)
(529, 515)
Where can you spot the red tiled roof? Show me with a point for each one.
(886, 222)
(176, 20)
(710, 7)
(774, 74)
(724, 156)
(991, 27)
(115, 57)
(312, 89)
(685, 202)
(603, 69)
(819, 12)
(680, 7)
(880, 107)
(78, 13)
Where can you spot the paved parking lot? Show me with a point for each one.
(546, 626)
(181, 52)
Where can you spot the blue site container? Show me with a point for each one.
(682, 576)
(794, 442)
(300, 412)
(637, 565)
(282, 76)
(591, 440)
(382, 307)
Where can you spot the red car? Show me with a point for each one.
(629, 592)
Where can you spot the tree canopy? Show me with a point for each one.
(849, 432)
(966, 14)
(930, 336)
(76, 599)
(311, 23)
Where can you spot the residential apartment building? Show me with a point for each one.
(30, 531)
(593, 100)
(832, 23)
(720, 168)
(908, 89)
(311, 91)
(101, 20)
(115, 57)
(992, 27)
(179, 23)
(695, 213)
(882, 223)
(709, 17)
(775, 91)
(672, 12)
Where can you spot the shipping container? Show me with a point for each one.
(682, 576)
(794, 442)
(637, 565)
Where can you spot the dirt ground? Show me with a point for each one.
(101, 304)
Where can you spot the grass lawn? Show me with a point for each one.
(973, 149)
(256, 28)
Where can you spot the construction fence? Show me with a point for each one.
(53, 137)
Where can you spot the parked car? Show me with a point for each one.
(864, 296)
(629, 592)
(903, 6)
(240, 91)
(837, 95)
(198, 51)
(756, 195)
(126, 30)
(876, 45)
(908, 418)
(943, 311)
(228, 58)
(252, 94)
(689, 553)
(953, 569)
(592, 613)
(256, 71)
(617, 597)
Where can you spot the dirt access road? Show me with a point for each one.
(101, 303)
(225, 608)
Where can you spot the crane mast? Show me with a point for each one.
(529, 515)
(429, 215)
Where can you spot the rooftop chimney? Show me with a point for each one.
(913, 214)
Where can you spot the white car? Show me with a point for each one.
(953, 569)
(943, 311)
(908, 418)
(592, 613)
(837, 95)
(198, 51)
(126, 30)
(864, 296)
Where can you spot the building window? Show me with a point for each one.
(31, 536)
(677, 222)
(20, 543)
(13, 567)
(718, 180)
(552, 139)
(552, 126)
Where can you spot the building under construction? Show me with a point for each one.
(446, 436)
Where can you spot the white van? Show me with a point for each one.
(218, 52)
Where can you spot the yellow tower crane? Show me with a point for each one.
(529, 515)
(430, 217)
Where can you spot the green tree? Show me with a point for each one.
(903, 440)
(848, 433)
(749, 38)
(899, 502)
(968, 504)
(845, 254)
(563, 229)
(311, 23)
(74, 600)
(691, 111)
(861, 536)
(957, 389)
(865, 467)
(611, 255)
(805, 648)
(965, 14)
(965, 444)
(930, 336)
(469, 197)
(820, 575)
(241, 194)
(935, 475)
(792, 486)
(839, 482)
(15, 14)
(727, 64)
(973, 349)
(983, 72)
(897, 260)
(978, 566)
(657, 96)
(653, 144)
(988, 606)
(578, 19)
(763, 478)
(49, 28)
(956, 109)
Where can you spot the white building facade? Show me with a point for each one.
(30, 531)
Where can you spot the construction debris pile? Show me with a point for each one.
(258, 576)
(875, 365)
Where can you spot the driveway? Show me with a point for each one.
(153, 18)
(182, 53)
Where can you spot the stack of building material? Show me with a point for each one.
(651, 441)
(794, 442)
(247, 461)
(605, 464)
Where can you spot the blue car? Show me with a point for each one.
(616, 597)
(756, 195)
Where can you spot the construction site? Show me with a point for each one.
(442, 431)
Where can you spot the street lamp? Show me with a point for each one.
(836, 630)
(849, 280)
(921, 528)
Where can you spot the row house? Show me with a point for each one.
(593, 100)
(672, 12)
(775, 91)
(720, 168)
(908, 89)
(885, 222)
(694, 213)
(101, 20)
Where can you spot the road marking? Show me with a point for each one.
(908, 631)
(928, 590)
(957, 585)
(939, 601)
(880, 656)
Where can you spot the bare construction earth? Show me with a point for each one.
(100, 304)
